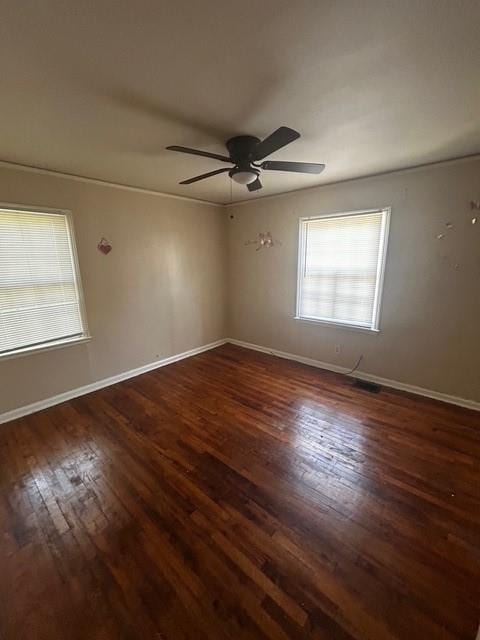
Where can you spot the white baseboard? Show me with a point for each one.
(100, 384)
(362, 375)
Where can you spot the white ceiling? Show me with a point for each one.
(99, 87)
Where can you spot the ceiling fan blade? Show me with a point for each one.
(298, 167)
(197, 152)
(255, 185)
(204, 175)
(276, 140)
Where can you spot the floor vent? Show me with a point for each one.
(371, 387)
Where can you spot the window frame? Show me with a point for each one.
(381, 264)
(61, 342)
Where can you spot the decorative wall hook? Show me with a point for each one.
(263, 240)
(104, 246)
(475, 206)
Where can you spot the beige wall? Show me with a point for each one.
(430, 319)
(160, 291)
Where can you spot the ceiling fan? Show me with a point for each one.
(245, 152)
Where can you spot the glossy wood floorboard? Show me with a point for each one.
(235, 495)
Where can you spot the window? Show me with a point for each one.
(340, 268)
(40, 294)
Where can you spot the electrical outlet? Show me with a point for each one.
(338, 348)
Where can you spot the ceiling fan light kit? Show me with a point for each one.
(245, 152)
(244, 176)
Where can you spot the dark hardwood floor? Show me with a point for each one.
(236, 495)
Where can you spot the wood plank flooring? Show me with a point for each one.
(235, 495)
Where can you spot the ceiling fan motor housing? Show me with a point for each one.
(241, 150)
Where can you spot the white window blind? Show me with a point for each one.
(341, 260)
(39, 291)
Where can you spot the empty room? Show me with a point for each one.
(240, 320)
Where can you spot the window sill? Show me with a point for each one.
(338, 325)
(58, 344)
